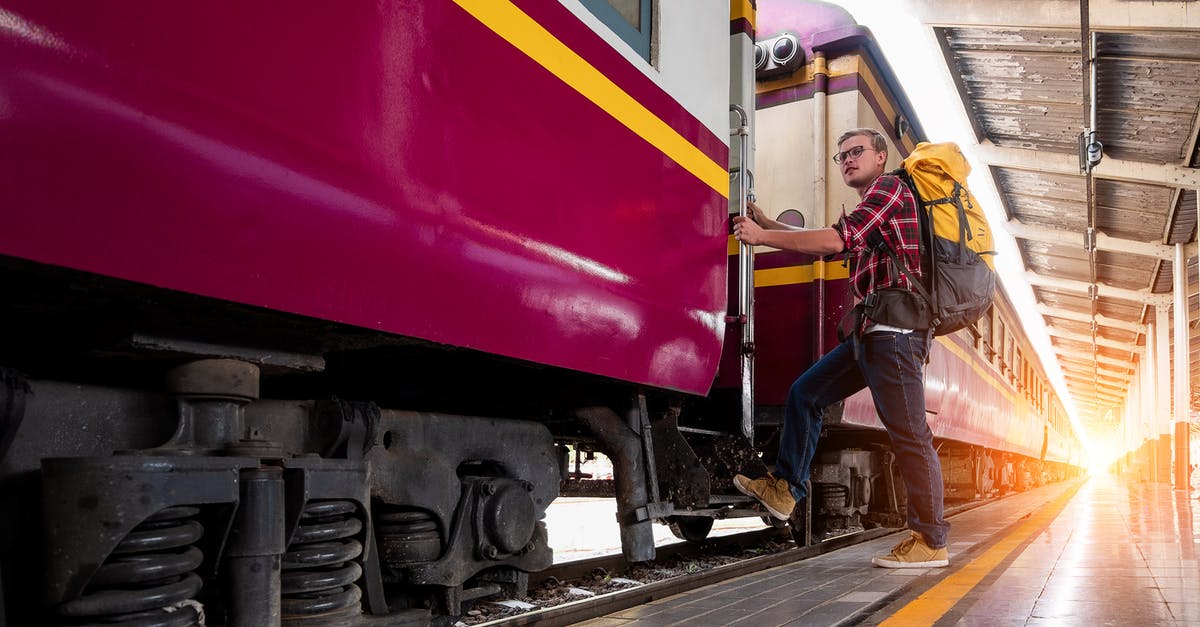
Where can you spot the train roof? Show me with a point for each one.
(830, 29)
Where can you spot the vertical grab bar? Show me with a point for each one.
(745, 278)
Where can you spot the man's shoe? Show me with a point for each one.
(774, 493)
(913, 552)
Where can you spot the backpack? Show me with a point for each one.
(956, 241)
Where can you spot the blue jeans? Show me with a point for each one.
(892, 366)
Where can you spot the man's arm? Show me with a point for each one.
(824, 241)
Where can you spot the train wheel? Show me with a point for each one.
(690, 528)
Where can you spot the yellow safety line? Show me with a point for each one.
(941, 598)
(523, 32)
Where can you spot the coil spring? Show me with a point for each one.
(318, 574)
(834, 496)
(148, 579)
(407, 538)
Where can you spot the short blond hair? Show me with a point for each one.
(878, 143)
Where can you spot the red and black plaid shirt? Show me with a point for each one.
(887, 206)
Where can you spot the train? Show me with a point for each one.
(305, 311)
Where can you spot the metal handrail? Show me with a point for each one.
(745, 277)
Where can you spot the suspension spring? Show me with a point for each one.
(834, 496)
(149, 578)
(318, 571)
(407, 538)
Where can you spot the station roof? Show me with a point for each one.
(1020, 72)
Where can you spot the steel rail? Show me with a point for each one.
(603, 604)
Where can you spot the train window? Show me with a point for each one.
(998, 343)
(983, 343)
(629, 19)
(1009, 345)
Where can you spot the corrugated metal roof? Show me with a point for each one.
(1020, 73)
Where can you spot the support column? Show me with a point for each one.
(1145, 425)
(1161, 436)
(1183, 387)
(1130, 413)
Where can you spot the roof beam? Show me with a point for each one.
(1115, 169)
(1072, 363)
(1117, 385)
(1108, 363)
(1100, 341)
(1095, 411)
(1096, 387)
(1102, 290)
(1103, 240)
(1103, 14)
(1107, 400)
(1114, 380)
(1102, 320)
(1086, 339)
(1120, 381)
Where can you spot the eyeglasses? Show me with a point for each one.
(853, 153)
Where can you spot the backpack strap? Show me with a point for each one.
(956, 198)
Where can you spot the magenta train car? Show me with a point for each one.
(997, 422)
(422, 169)
(332, 288)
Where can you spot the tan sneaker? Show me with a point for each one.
(773, 492)
(913, 552)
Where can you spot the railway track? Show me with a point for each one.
(640, 593)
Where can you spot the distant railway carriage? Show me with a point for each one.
(304, 308)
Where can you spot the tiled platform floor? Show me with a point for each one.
(1114, 554)
(1119, 554)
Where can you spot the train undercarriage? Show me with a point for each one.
(349, 479)
(207, 498)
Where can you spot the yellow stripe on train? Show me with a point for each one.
(739, 9)
(791, 275)
(834, 270)
(523, 32)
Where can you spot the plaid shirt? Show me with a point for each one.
(889, 207)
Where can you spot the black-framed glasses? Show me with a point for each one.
(852, 153)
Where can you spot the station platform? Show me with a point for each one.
(1094, 551)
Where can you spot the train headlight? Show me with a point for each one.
(777, 56)
(784, 49)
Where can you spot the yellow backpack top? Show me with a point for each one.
(939, 174)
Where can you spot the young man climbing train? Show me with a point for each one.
(886, 358)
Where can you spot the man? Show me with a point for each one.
(889, 360)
